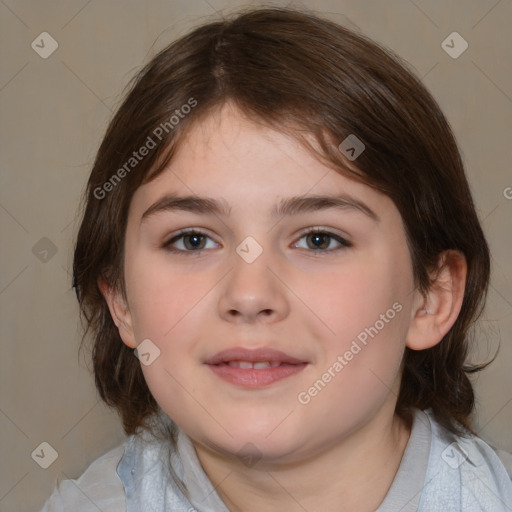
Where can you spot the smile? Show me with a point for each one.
(254, 368)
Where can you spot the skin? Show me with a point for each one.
(341, 450)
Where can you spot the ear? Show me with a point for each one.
(119, 312)
(434, 314)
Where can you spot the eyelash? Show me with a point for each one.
(344, 244)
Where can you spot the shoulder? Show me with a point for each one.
(506, 460)
(99, 487)
(465, 473)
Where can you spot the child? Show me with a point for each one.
(279, 227)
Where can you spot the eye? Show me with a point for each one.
(323, 241)
(317, 240)
(189, 241)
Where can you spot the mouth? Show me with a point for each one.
(254, 368)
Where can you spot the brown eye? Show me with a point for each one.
(318, 240)
(189, 241)
(323, 241)
(194, 241)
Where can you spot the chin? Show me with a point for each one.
(261, 442)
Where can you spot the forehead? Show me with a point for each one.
(245, 164)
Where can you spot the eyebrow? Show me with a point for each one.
(286, 207)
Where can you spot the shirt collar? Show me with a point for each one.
(151, 483)
(149, 479)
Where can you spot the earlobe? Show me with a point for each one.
(436, 312)
(119, 312)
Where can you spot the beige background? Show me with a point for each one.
(53, 113)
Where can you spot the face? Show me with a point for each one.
(284, 330)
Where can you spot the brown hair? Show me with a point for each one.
(306, 76)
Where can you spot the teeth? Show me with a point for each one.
(259, 365)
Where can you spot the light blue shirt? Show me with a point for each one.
(439, 472)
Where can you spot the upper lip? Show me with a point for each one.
(252, 355)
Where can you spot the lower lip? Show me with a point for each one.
(251, 378)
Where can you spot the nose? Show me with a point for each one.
(253, 293)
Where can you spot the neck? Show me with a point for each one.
(354, 474)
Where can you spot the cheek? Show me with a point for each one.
(361, 366)
(162, 299)
(169, 308)
(353, 296)
(365, 307)
(171, 389)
